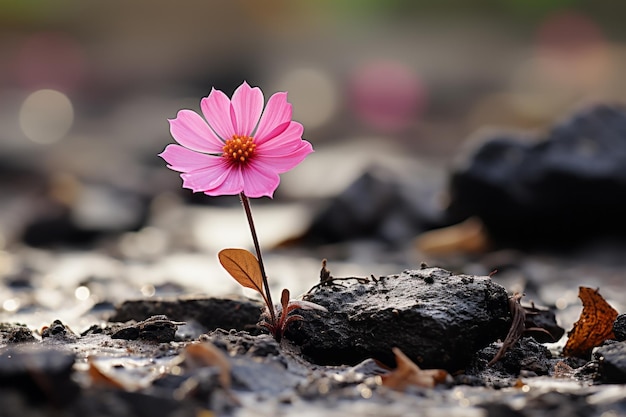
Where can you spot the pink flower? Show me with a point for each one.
(239, 147)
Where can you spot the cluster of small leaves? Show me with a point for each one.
(283, 317)
(244, 267)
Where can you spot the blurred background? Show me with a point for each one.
(86, 88)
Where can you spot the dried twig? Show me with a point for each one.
(518, 327)
(326, 279)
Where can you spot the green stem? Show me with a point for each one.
(246, 206)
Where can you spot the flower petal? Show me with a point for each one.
(217, 111)
(182, 159)
(220, 179)
(285, 161)
(247, 104)
(259, 182)
(279, 143)
(276, 116)
(233, 183)
(191, 131)
(285, 142)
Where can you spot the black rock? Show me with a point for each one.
(121, 403)
(526, 356)
(56, 227)
(619, 327)
(539, 321)
(15, 333)
(377, 205)
(612, 363)
(501, 410)
(563, 189)
(436, 318)
(86, 213)
(57, 331)
(155, 329)
(212, 313)
(42, 374)
(244, 343)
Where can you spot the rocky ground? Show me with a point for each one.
(205, 356)
(113, 318)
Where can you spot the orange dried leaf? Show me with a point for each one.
(519, 384)
(594, 326)
(244, 267)
(100, 377)
(206, 354)
(466, 237)
(408, 373)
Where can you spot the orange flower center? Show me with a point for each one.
(239, 149)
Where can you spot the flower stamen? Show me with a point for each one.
(239, 149)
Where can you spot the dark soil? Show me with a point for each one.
(96, 319)
(141, 367)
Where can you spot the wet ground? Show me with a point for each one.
(113, 300)
(144, 368)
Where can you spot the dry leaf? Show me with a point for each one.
(519, 384)
(102, 378)
(594, 326)
(244, 267)
(408, 373)
(466, 237)
(206, 354)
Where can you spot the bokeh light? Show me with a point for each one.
(51, 60)
(46, 116)
(147, 290)
(313, 95)
(386, 96)
(571, 49)
(11, 305)
(569, 61)
(82, 293)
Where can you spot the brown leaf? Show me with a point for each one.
(244, 267)
(594, 326)
(466, 237)
(519, 384)
(103, 378)
(408, 373)
(206, 354)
